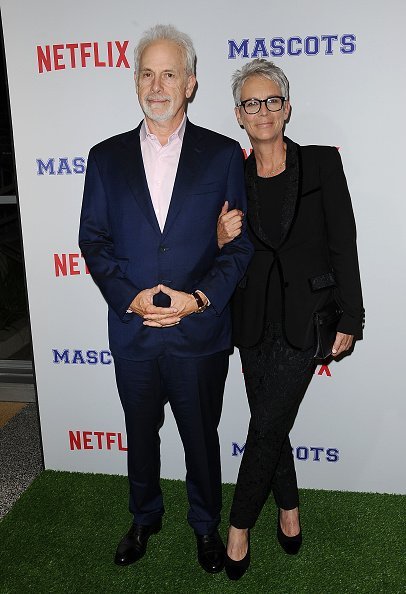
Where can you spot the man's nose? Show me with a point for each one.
(156, 84)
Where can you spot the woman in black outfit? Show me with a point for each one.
(301, 223)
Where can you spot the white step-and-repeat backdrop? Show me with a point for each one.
(70, 72)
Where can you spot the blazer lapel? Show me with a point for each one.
(290, 201)
(135, 173)
(187, 173)
(290, 198)
(253, 200)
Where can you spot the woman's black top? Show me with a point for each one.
(271, 191)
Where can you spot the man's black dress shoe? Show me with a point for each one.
(210, 552)
(236, 569)
(134, 544)
(290, 544)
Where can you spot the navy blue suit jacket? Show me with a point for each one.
(126, 251)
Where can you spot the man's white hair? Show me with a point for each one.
(170, 33)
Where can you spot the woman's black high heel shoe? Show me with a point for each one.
(290, 544)
(236, 569)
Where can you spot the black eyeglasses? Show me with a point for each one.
(251, 106)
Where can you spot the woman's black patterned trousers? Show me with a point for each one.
(276, 378)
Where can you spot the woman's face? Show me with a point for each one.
(264, 126)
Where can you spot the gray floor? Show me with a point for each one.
(20, 456)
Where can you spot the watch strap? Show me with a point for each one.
(201, 306)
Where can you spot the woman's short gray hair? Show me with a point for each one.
(170, 33)
(259, 67)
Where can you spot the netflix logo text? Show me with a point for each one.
(96, 440)
(323, 370)
(108, 54)
(69, 265)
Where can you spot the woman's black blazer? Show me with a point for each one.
(316, 255)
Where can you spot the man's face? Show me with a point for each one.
(163, 86)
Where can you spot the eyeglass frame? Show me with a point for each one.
(261, 101)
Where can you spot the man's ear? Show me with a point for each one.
(190, 85)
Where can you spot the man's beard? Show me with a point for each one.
(151, 113)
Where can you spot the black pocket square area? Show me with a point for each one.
(322, 281)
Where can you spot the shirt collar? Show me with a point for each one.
(178, 133)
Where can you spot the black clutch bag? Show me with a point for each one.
(325, 324)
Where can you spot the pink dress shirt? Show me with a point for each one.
(161, 165)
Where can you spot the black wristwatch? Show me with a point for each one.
(201, 306)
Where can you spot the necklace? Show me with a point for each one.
(270, 173)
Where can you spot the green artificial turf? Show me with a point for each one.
(62, 533)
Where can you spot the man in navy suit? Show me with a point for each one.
(148, 233)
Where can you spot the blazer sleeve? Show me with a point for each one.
(341, 238)
(232, 260)
(97, 247)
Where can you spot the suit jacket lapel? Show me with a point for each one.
(290, 198)
(187, 173)
(135, 173)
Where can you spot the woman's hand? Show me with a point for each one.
(343, 342)
(229, 225)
